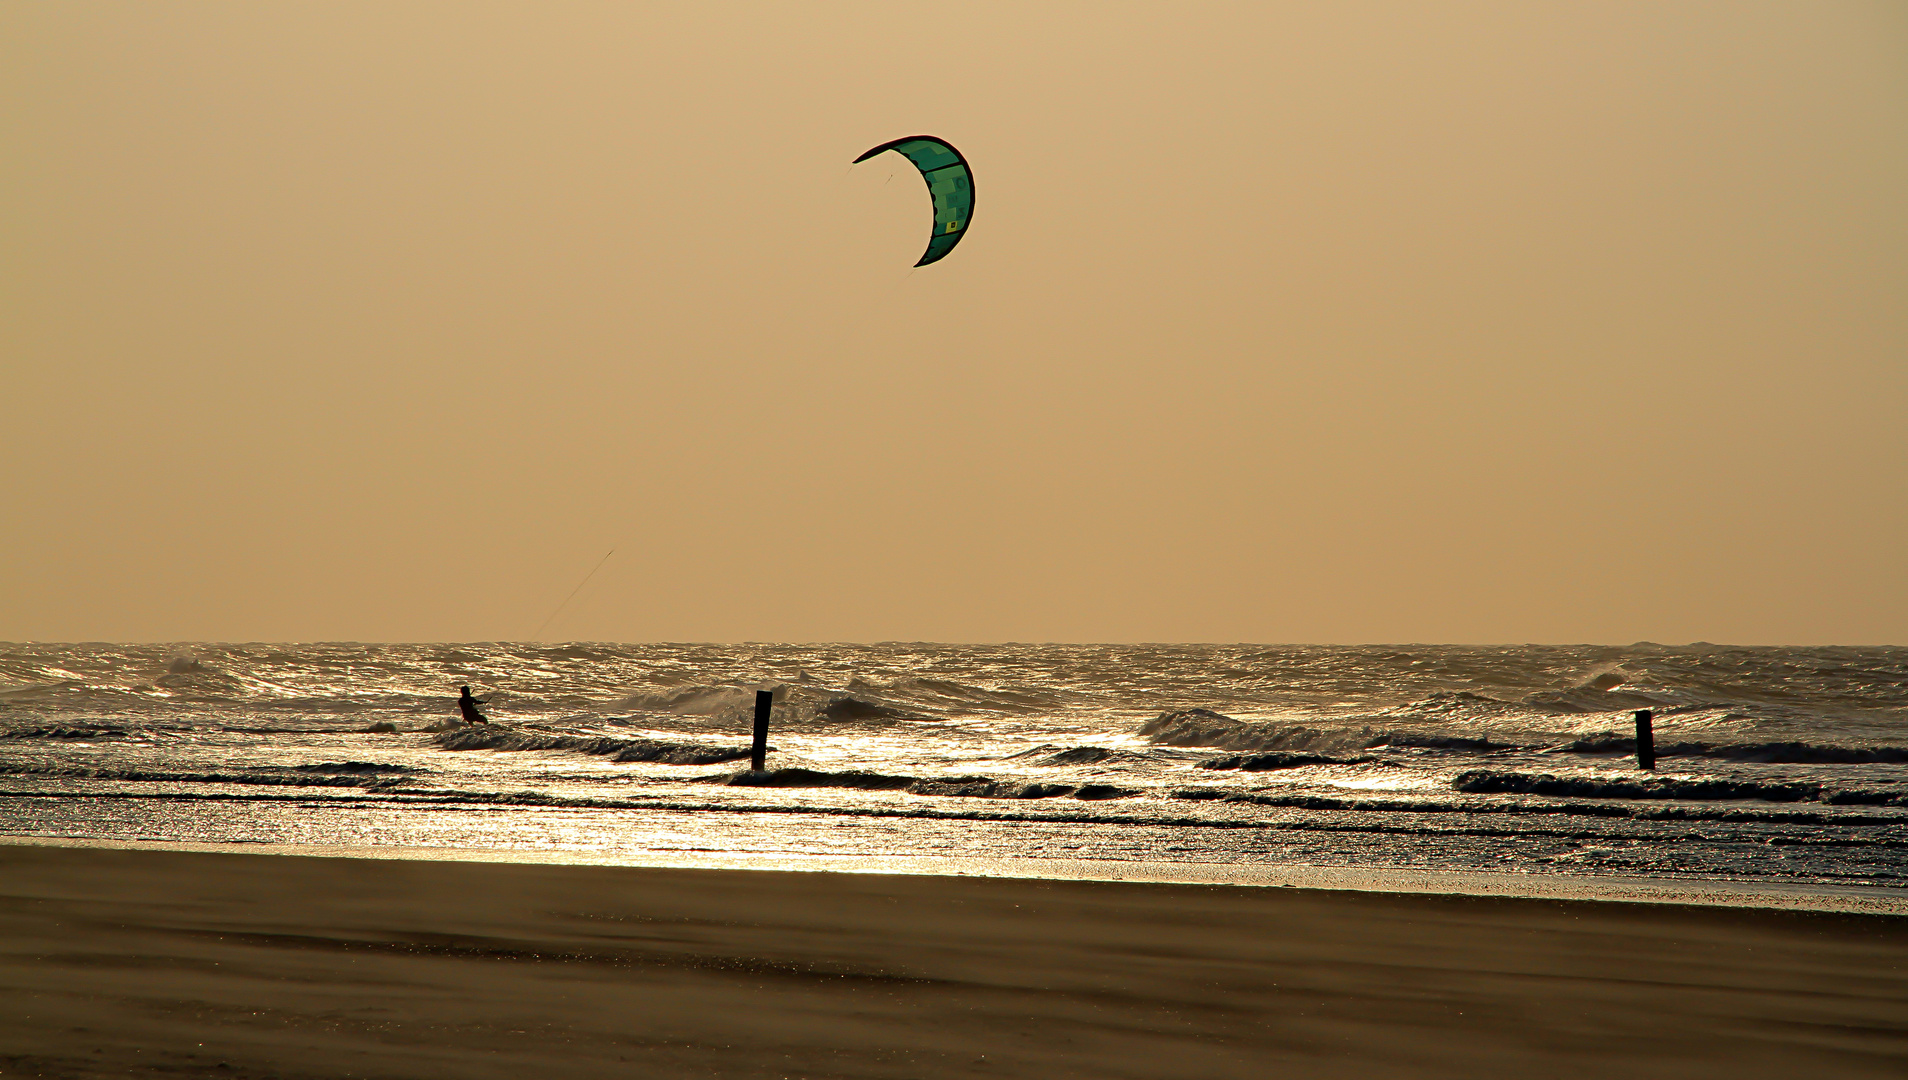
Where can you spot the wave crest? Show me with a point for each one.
(795, 705)
(650, 750)
(969, 787)
(1492, 782)
(1269, 762)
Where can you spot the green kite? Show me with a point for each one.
(948, 181)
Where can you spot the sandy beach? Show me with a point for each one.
(120, 962)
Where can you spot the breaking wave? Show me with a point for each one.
(63, 732)
(1268, 762)
(650, 750)
(1206, 728)
(795, 705)
(969, 787)
(1770, 753)
(368, 777)
(352, 768)
(1491, 782)
(1080, 755)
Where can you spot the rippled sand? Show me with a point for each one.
(187, 964)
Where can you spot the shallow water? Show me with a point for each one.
(1780, 765)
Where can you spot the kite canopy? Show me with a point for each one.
(948, 181)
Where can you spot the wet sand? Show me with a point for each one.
(125, 962)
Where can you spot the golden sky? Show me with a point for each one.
(1351, 322)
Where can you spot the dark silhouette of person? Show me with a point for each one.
(468, 706)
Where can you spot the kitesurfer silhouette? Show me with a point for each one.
(468, 706)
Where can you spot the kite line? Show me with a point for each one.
(538, 636)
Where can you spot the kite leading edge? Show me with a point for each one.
(948, 181)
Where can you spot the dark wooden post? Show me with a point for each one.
(1645, 741)
(764, 700)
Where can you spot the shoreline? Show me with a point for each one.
(1597, 888)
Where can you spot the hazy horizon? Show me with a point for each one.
(557, 643)
(1379, 322)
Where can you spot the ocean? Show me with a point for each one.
(1780, 766)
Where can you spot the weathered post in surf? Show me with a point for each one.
(764, 700)
(1645, 741)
